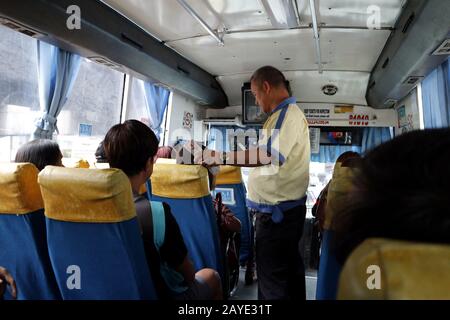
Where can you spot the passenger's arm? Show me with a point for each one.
(7, 279)
(255, 157)
(187, 270)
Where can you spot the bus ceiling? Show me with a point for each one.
(372, 51)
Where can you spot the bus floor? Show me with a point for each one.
(250, 292)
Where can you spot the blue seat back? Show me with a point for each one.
(185, 188)
(329, 270)
(229, 183)
(94, 239)
(23, 244)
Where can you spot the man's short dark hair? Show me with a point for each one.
(270, 74)
(129, 146)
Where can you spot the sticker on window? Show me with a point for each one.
(227, 195)
(85, 130)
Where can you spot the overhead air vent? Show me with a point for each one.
(20, 28)
(105, 62)
(412, 80)
(390, 103)
(444, 49)
(330, 90)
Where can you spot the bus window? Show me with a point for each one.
(19, 93)
(93, 107)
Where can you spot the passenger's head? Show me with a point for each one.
(41, 153)
(401, 192)
(131, 147)
(100, 155)
(268, 85)
(346, 156)
(164, 152)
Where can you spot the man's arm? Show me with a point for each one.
(255, 157)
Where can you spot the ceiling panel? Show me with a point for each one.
(342, 49)
(307, 86)
(167, 20)
(351, 13)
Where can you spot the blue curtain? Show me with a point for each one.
(58, 70)
(157, 99)
(372, 137)
(435, 96)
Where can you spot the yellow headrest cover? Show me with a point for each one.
(178, 181)
(409, 271)
(85, 195)
(229, 175)
(19, 190)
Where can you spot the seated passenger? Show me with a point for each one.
(164, 152)
(41, 153)
(7, 279)
(184, 155)
(100, 154)
(400, 192)
(132, 147)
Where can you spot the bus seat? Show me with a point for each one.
(23, 242)
(329, 268)
(185, 188)
(93, 235)
(408, 271)
(229, 183)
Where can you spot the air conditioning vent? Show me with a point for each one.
(105, 62)
(390, 103)
(412, 80)
(444, 49)
(20, 28)
(330, 90)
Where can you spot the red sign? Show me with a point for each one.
(318, 122)
(359, 120)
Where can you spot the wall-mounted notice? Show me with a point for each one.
(188, 119)
(314, 138)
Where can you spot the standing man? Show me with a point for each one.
(276, 186)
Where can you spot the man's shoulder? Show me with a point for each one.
(296, 111)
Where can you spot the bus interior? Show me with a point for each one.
(362, 71)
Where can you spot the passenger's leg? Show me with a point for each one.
(279, 265)
(212, 278)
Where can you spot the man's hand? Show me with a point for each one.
(7, 279)
(207, 157)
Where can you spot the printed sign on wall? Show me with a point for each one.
(314, 137)
(188, 119)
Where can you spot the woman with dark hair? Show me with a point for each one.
(401, 192)
(41, 153)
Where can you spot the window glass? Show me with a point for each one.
(93, 107)
(19, 93)
(137, 106)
